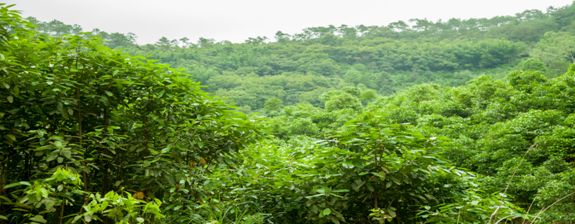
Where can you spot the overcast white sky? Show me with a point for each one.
(237, 20)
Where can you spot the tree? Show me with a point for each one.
(556, 50)
(117, 123)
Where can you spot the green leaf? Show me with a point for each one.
(10, 99)
(76, 219)
(11, 137)
(325, 212)
(38, 219)
(340, 191)
(67, 153)
(5, 199)
(357, 184)
(88, 218)
(17, 184)
(391, 212)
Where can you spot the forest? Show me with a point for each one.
(460, 121)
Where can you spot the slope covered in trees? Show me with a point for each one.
(344, 131)
(384, 58)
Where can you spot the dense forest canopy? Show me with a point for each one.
(458, 121)
(383, 58)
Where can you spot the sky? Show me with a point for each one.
(237, 20)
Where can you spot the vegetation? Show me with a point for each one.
(464, 121)
(85, 127)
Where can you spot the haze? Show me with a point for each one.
(236, 21)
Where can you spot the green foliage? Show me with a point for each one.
(516, 132)
(44, 199)
(90, 134)
(475, 207)
(383, 58)
(556, 50)
(120, 209)
(369, 170)
(339, 100)
(121, 123)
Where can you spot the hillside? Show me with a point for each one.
(463, 121)
(298, 67)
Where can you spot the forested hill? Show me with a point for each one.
(464, 121)
(296, 68)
